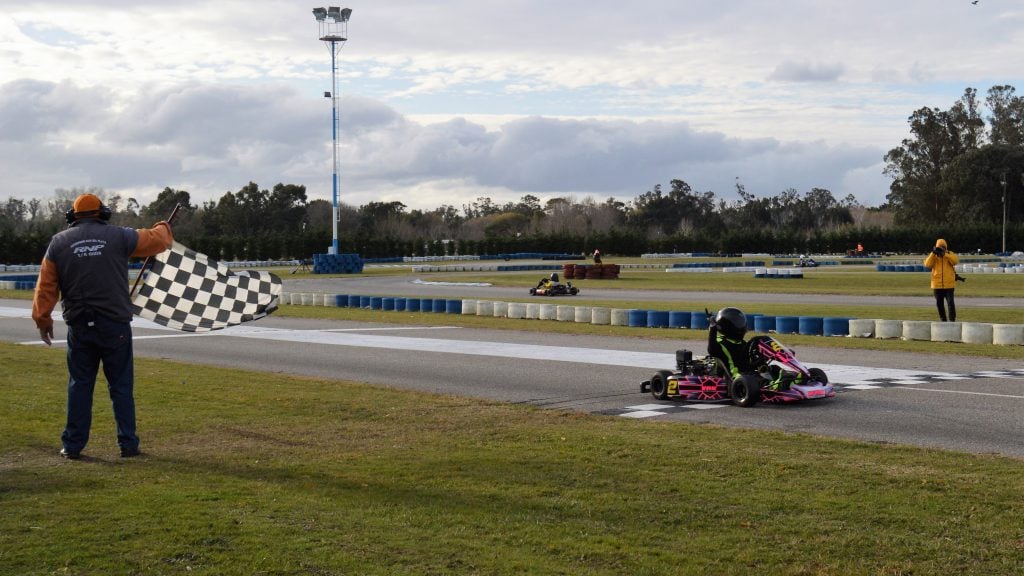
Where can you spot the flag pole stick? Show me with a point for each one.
(149, 259)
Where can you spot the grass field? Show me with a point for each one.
(264, 474)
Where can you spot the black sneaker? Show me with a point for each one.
(129, 452)
(70, 455)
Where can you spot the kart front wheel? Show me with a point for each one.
(659, 385)
(745, 390)
(533, 291)
(574, 290)
(818, 375)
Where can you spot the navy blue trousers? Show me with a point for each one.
(106, 342)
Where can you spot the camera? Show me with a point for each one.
(939, 251)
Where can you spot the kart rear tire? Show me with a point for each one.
(745, 390)
(659, 385)
(818, 375)
(574, 291)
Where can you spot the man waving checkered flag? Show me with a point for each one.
(188, 291)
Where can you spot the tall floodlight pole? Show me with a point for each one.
(1002, 180)
(333, 32)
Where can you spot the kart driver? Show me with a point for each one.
(549, 282)
(725, 343)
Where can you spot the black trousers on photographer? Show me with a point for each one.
(944, 296)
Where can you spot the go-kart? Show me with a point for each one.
(566, 289)
(807, 263)
(706, 380)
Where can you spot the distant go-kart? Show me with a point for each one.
(566, 289)
(705, 379)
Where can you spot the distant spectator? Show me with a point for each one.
(942, 263)
(597, 256)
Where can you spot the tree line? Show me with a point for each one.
(950, 179)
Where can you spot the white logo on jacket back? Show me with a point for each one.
(90, 247)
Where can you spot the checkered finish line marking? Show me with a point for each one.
(190, 292)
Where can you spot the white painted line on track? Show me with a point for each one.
(838, 373)
(960, 392)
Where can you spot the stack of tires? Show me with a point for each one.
(590, 271)
(337, 264)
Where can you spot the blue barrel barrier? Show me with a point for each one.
(698, 321)
(341, 300)
(364, 301)
(453, 306)
(376, 302)
(836, 326)
(353, 300)
(387, 303)
(412, 304)
(637, 318)
(810, 325)
(426, 304)
(400, 304)
(787, 324)
(678, 319)
(764, 324)
(657, 319)
(440, 305)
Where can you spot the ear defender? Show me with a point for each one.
(104, 214)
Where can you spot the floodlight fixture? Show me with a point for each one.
(333, 27)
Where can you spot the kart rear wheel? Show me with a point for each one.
(659, 385)
(745, 390)
(818, 375)
(574, 290)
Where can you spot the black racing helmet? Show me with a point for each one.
(554, 276)
(732, 322)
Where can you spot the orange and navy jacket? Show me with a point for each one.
(942, 267)
(86, 266)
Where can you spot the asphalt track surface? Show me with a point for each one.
(967, 404)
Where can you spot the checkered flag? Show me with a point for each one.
(188, 291)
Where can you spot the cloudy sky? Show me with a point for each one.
(445, 101)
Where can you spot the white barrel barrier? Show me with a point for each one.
(977, 333)
(862, 328)
(469, 307)
(565, 313)
(500, 309)
(888, 328)
(620, 317)
(326, 300)
(484, 308)
(516, 310)
(548, 311)
(946, 331)
(1008, 334)
(583, 315)
(533, 311)
(600, 316)
(917, 330)
(284, 298)
(295, 298)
